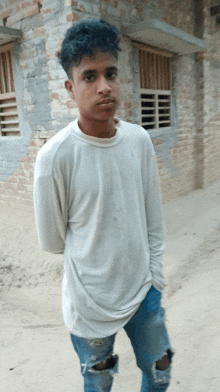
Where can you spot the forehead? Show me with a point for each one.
(98, 61)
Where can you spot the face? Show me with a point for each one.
(93, 81)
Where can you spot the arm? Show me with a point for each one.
(50, 208)
(154, 216)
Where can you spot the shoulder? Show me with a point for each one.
(135, 132)
(56, 146)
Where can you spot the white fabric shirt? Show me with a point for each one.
(98, 201)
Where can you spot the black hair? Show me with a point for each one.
(85, 38)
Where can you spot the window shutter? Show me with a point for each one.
(155, 89)
(9, 124)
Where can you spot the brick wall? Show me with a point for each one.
(179, 14)
(211, 60)
(18, 189)
(187, 158)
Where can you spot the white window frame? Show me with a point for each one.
(156, 111)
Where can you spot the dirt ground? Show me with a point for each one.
(35, 349)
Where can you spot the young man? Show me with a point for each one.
(97, 200)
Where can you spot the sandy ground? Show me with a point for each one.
(35, 350)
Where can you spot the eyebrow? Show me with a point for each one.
(92, 71)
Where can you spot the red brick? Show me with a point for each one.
(24, 4)
(28, 173)
(70, 18)
(19, 186)
(33, 10)
(74, 16)
(25, 180)
(26, 165)
(28, 159)
(13, 179)
(32, 143)
(7, 185)
(3, 191)
(157, 141)
(24, 66)
(17, 199)
(14, 18)
(24, 13)
(70, 104)
(39, 142)
(6, 13)
(28, 202)
(53, 95)
(38, 32)
(127, 105)
(32, 150)
(18, 172)
(8, 200)
(45, 10)
(27, 54)
(23, 195)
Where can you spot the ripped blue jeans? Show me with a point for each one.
(147, 333)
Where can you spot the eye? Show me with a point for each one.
(111, 75)
(89, 78)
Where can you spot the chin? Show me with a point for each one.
(102, 118)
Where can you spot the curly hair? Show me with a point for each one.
(85, 38)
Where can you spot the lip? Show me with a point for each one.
(106, 102)
(107, 105)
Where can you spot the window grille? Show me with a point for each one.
(9, 124)
(155, 90)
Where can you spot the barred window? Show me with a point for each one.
(9, 125)
(155, 88)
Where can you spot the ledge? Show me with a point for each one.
(162, 35)
(7, 34)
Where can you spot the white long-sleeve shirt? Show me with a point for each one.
(98, 201)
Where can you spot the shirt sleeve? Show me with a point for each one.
(50, 209)
(154, 217)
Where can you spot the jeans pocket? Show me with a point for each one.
(152, 300)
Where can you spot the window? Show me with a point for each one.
(9, 125)
(155, 88)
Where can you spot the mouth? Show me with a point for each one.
(107, 105)
(106, 102)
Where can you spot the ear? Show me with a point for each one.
(69, 87)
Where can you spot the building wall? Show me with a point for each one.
(188, 154)
(211, 61)
(179, 14)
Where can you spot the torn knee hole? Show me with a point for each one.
(163, 363)
(108, 364)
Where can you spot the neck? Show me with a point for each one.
(97, 128)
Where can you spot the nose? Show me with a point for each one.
(103, 86)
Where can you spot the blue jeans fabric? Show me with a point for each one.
(149, 339)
